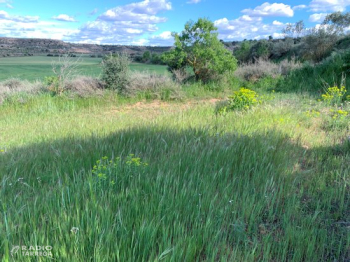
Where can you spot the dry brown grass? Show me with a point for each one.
(180, 75)
(84, 86)
(154, 86)
(151, 86)
(263, 68)
(15, 86)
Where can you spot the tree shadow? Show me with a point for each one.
(72, 154)
(204, 166)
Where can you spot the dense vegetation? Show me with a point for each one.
(250, 166)
(199, 48)
(304, 44)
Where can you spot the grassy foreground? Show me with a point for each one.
(110, 180)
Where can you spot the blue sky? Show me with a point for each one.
(150, 22)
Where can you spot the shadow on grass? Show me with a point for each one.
(160, 146)
(253, 202)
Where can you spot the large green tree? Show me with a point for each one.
(198, 47)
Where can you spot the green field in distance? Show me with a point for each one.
(38, 67)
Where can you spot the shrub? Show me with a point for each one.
(180, 75)
(13, 84)
(243, 99)
(156, 59)
(337, 119)
(115, 71)
(286, 66)
(242, 53)
(282, 47)
(254, 71)
(146, 57)
(261, 49)
(53, 85)
(84, 86)
(118, 173)
(266, 83)
(265, 68)
(12, 87)
(65, 69)
(318, 43)
(334, 95)
(153, 86)
(240, 100)
(343, 43)
(339, 114)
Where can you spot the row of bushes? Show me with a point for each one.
(150, 86)
(149, 58)
(288, 75)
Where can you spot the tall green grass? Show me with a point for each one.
(267, 184)
(333, 71)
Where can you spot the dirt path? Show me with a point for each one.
(157, 104)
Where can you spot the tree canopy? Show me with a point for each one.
(338, 20)
(198, 47)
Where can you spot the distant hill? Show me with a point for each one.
(34, 46)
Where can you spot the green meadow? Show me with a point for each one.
(38, 67)
(250, 166)
(122, 179)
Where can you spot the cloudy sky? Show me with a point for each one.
(150, 22)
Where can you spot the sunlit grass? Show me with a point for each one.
(267, 184)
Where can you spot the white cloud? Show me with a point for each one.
(144, 11)
(140, 42)
(124, 24)
(317, 18)
(246, 18)
(163, 39)
(267, 9)
(8, 3)
(193, 1)
(278, 35)
(277, 22)
(328, 5)
(133, 31)
(16, 18)
(246, 27)
(64, 18)
(299, 7)
(31, 27)
(166, 35)
(34, 29)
